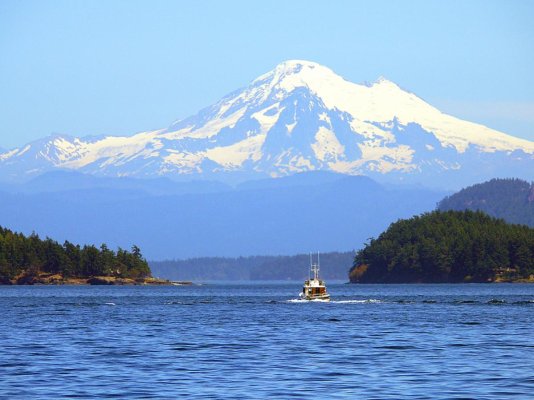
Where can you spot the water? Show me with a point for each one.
(256, 341)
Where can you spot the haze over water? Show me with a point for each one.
(257, 341)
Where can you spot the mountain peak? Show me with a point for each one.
(296, 65)
(382, 80)
(290, 74)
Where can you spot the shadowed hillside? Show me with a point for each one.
(509, 199)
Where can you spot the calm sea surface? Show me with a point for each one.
(255, 341)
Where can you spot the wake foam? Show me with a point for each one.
(364, 301)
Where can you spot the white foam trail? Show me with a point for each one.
(110, 304)
(366, 301)
(307, 301)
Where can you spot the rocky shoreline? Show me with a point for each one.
(58, 279)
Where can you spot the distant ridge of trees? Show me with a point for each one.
(447, 246)
(509, 199)
(334, 265)
(20, 254)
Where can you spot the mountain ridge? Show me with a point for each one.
(287, 215)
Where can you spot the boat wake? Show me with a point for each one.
(305, 301)
(364, 301)
(528, 302)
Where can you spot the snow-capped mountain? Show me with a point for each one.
(300, 116)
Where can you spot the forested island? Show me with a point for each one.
(31, 260)
(447, 246)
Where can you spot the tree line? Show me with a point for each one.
(334, 265)
(32, 255)
(447, 246)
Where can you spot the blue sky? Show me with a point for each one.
(120, 67)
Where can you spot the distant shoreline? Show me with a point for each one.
(28, 279)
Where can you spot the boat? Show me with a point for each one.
(314, 289)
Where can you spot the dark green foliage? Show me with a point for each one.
(509, 199)
(31, 255)
(450, 246)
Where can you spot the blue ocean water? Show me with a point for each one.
(256, 341)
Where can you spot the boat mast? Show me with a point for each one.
(314, 267)
(311, 267)
(317, 268)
